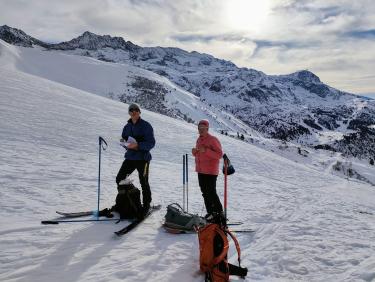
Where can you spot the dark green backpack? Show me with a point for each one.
(179, 219)
(128, 202)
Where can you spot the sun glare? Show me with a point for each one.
(246, 15)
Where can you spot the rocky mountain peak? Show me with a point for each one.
(89, 34)
(18, 37)
(306, 76)
(92, 41)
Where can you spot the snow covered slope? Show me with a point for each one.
(310, 226)
(298, 107)
(124, 81)
(113, 79)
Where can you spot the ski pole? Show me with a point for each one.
(228, 169)
(100, 158)
(187, 183)
(225, 186)
(183, 182)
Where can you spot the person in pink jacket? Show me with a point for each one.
(208, 153)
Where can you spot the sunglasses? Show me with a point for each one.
(133, 110)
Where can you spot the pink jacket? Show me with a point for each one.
(208, 162)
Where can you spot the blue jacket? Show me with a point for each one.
(143, 132)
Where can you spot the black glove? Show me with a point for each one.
(230, 168)
(106, 212)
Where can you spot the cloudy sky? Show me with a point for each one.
(333, 39)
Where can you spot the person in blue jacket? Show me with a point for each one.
(137, 156)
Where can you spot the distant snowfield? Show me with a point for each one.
(105, 79)
(310, 225)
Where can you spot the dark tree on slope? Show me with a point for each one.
(360, 144)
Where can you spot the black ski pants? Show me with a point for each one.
(207, 183)
(128, 166)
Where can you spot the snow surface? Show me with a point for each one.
(310, 225)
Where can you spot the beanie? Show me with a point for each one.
(204, 122)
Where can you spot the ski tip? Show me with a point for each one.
(243, 231)
(49, 222)
(235, 223)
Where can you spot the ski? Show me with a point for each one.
(234, 223)
(136, 222)
(173, 230)
(74, 214)
(78, 220)
(242, 230)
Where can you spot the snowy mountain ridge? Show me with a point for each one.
(297, 107)
(19, 37)
(91, 41)
(310, 225)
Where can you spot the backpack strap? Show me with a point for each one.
(177, 206)
(236, 244)
(224, 252)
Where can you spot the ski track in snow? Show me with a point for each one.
(308, 224)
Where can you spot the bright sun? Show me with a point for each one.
(246, 15)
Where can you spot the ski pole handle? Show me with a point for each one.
(101, 140)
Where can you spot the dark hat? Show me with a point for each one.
(133, 107)
(204, 122)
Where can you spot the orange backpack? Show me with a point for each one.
(213, 247)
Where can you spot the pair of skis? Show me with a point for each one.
(136, 222)
(120, 232)
(175, 230)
